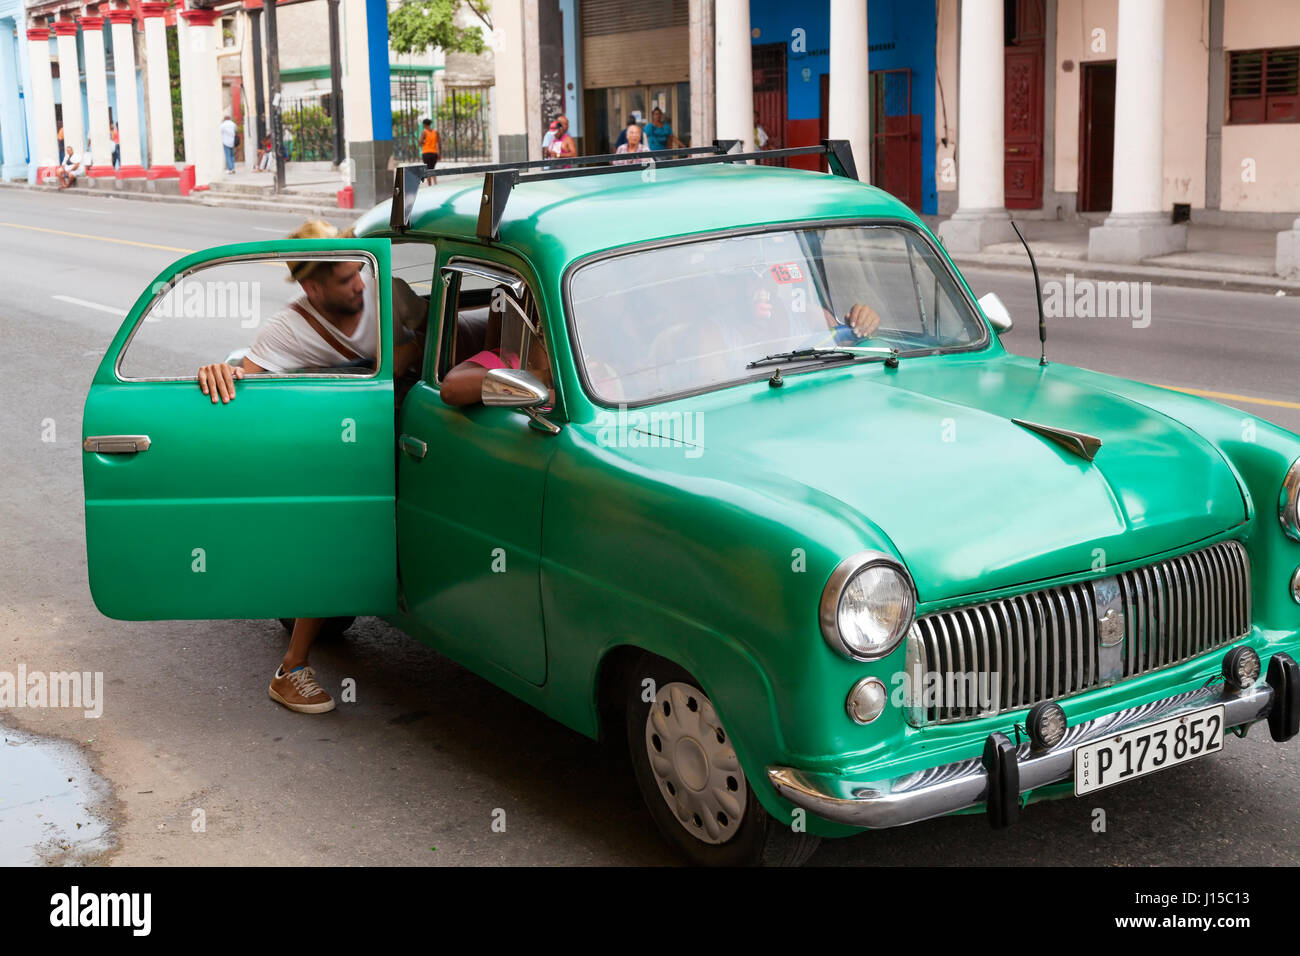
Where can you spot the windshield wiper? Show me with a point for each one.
(802, 354)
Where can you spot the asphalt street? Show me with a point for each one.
(419, 768)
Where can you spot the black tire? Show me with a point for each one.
(334, 627)
(758, 839)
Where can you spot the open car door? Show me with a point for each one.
(278, 504)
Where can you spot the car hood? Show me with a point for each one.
(928, 452)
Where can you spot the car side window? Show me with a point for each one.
(484, 315)
(254, 308)
(414, 280)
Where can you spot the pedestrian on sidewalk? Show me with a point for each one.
(64, 170)
(265, 155)
(229, 133)
(659, 133)
(632, 143)
(429, 151)
(562, 145)
(74, 166)
(117, 148)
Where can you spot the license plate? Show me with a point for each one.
(1145, 750)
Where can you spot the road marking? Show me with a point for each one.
(1228, 396)
(120, 313)
(93, 212)
(83, 235)
(268, 229)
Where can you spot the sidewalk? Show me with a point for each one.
(311, 190)
(1217, 257)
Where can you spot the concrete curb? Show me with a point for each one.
(196, 200)
(1156, 275)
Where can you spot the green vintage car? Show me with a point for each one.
(756, 486)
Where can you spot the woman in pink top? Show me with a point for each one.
(463, 385)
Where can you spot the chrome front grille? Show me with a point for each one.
(1014, 652)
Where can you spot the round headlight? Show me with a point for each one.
(1295, 586)
(867, 606)
(1288, 502)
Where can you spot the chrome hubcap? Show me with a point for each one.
(694, 763)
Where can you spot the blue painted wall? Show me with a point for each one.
(17, 110)
(900, 33)
(381, 112)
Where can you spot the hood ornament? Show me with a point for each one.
(1081, 444)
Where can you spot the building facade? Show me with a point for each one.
(969, 109)
(167, 73)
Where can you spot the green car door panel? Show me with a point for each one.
(278, 504)
(470, 528)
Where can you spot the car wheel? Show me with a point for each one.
(334, 627)
(691, 780)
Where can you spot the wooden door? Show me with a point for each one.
(1096, 136)
(1023, 107)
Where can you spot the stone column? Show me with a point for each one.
(162, 148)
(74, 133)
(12, 121)
(1288, 252)
(981, 217)
(44, 144)
(367, 106)
(101, 137)
(199, 59)
(734, 72)
(186, 70)
(703, 113)
(1138, 226)
(509, 110)
(850, 83)
(128, 108)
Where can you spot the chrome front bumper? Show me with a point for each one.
(878, 804)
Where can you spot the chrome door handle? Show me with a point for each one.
(413, 446)
(116, 444)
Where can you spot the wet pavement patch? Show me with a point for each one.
(52, 805)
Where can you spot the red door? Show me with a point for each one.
(770, 94)
(1023, 108)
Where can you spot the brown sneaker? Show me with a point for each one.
(299, 691)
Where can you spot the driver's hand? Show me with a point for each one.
(863, 320)
(219, 380)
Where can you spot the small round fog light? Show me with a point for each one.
(1241, 668)
(1295, 586)
(866, 700)
(1046, 723)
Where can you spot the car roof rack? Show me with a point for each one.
(500, 178)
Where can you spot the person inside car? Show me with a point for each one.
(333, 323)
(463, 385)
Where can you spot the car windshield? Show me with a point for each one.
(694, 315)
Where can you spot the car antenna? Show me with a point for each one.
(1038, 289)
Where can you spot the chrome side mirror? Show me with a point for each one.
(995, 311)
(513, 388)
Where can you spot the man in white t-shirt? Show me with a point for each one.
(333, 323)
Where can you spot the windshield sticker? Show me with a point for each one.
(784, 272)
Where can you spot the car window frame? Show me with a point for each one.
(338, 256)
(450, 274)
(575, 340)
